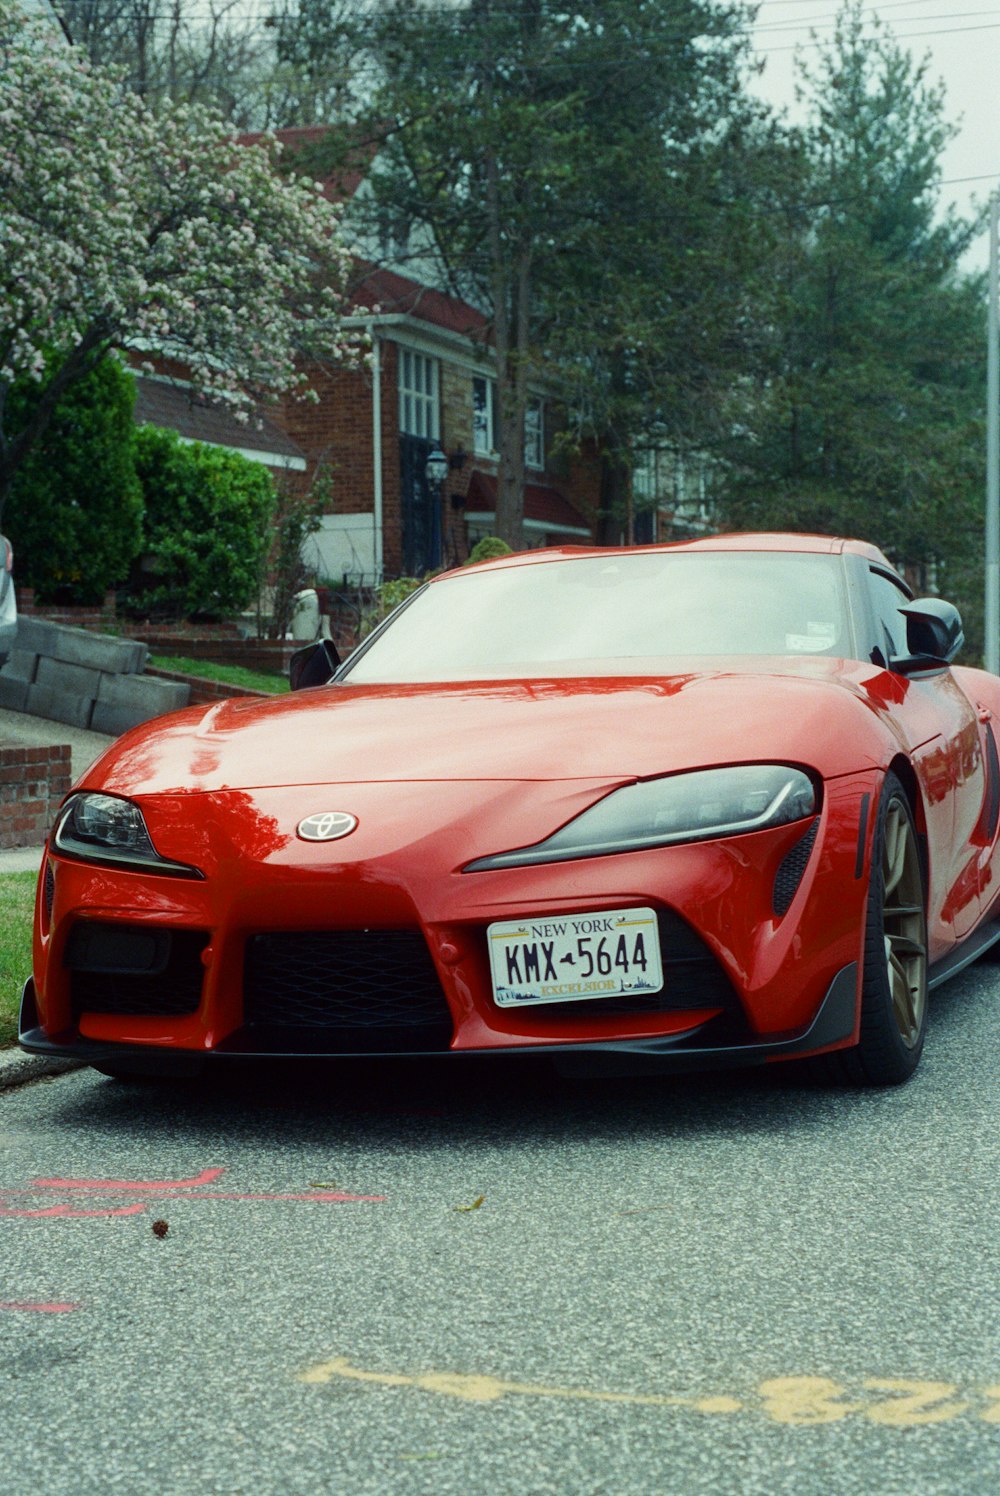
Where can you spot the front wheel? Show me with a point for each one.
(894, 984)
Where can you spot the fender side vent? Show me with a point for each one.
(789, 874)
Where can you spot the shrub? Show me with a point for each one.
(387, 597)
(75, 509)
(488, 549)
(207, 527)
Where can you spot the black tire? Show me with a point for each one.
(894, 983)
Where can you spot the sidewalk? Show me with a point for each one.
(39, 732)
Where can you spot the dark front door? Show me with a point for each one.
(421, 508)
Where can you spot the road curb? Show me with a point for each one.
(20, 1069)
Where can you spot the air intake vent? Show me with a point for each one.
(789, 874)
(134, 969)
(346, 980)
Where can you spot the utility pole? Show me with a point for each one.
(992, 611)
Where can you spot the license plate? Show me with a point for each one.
(575, 957)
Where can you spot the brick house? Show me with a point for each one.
(429, 381)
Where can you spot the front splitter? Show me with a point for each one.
(833, 1025)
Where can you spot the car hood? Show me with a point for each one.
(818, 712)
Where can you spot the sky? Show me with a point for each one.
(962, 38)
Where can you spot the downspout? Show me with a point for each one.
(376, 452)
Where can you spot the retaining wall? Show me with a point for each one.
(85, 679)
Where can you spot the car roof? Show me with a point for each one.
(763, 541)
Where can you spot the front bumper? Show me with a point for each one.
(786, 963)
(832, 1027)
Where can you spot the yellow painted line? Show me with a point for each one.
(890, 1402)
(485, 1389)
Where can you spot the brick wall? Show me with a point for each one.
(203, 692)
(336, 432)
(253, 654)
(33, 781)
(100, 616)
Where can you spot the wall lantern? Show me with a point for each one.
(436, 468)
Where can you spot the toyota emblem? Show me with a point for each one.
(326, 825)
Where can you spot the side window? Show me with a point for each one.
(888, 598)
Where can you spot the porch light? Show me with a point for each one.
(436, 469)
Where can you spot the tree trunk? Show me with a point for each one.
(512, 380)
(510, 288)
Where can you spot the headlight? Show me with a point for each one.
(681, 808)
(105, 828)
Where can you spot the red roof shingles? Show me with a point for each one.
(159, 402)
(392, 292)
(341, 182)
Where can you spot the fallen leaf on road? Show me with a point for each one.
(474, 1206)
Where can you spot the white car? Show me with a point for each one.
(8, 603)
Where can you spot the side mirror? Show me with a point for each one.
(313, 666)
(934, 635)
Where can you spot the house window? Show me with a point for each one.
(418, 395)
(485, 423)
(649, 477)
(534, 434)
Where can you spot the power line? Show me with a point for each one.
(897, 36)
(832, 19)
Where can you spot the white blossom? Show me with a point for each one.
(137, 228)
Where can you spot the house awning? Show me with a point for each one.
(546, 510)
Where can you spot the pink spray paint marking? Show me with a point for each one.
(131, 1186)
(177, 1189)
(68, 1213)
(41, 1308)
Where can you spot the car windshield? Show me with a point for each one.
(611, 615)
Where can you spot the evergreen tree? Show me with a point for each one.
(75, 522)
(864, 414)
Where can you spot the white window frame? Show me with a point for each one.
(419, 403)
(485, 420)
(534, 433)
(484, 415)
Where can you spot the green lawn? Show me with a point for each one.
(17, 900)
(233, 675)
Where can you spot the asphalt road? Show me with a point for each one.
(721, 1284)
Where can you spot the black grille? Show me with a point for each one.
(789, 874)
(103, 977)
(692, 978)
(50, 889)
(346, 980)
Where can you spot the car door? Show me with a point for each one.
(942, 732)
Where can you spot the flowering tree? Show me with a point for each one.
(122, 228)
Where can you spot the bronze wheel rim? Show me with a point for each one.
(904, 927)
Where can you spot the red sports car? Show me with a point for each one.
(723, 802)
